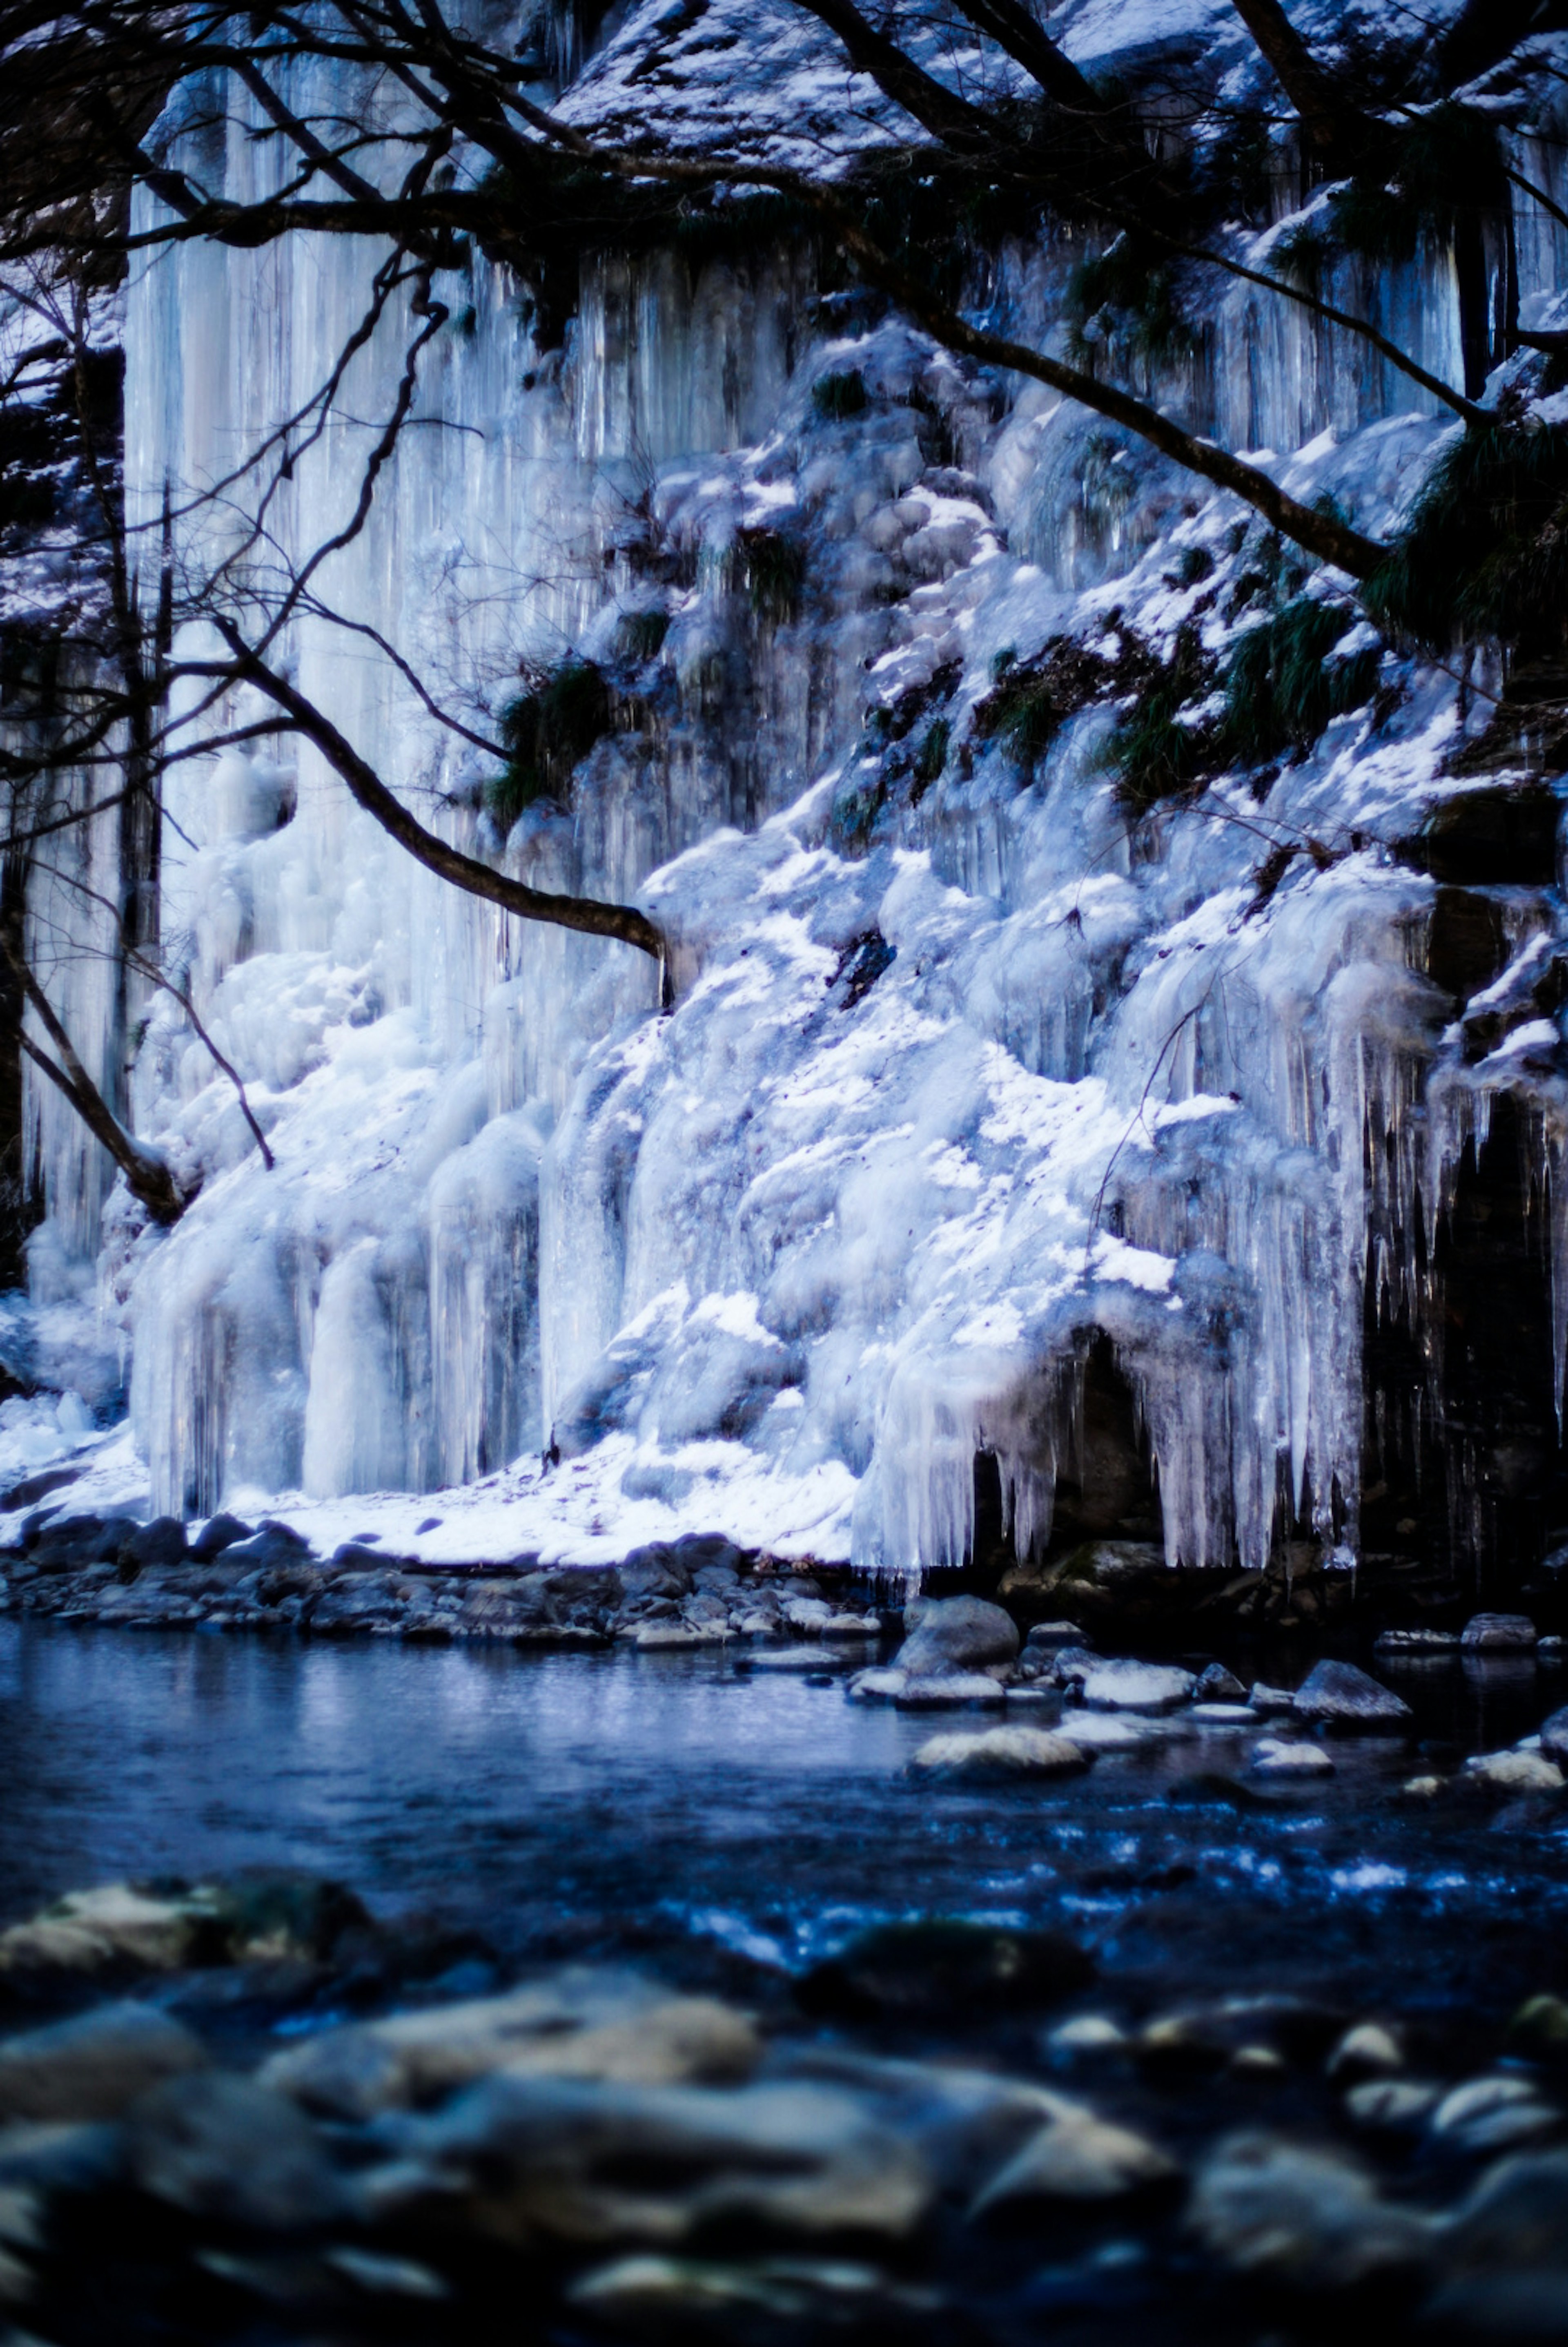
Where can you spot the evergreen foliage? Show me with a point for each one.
(1485, 551)
(836, 397)
(1281, 687)
(773, 568)
(546, 731)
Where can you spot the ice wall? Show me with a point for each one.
(965, 1068)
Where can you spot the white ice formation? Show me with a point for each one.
(964, 1066)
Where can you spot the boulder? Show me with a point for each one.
(226, 2148)
(1307, 2219)
(1000, 1752)
(1513, 1773)
(1274, 1757)
(218, 1533)
(160, 1543)
(1344, 1697)
(1415, 1642)
(941, 1966)
(66, 1547)
(1217, 1684)
(542, 2161)
(93, 2065)
(1046, 1637)
(272, 1549)
(1498, 1634)
(1514, 2221)
(878, 1685)
(652, 1637)
(949, 1691)
(1367, 2051)
(655, 1570)
(1394, 2107)
(583, 2022)
(956, 1634)
(92, 1931)
(1501, 2111)
(1108, 1731)
(1554, 1736)
(1137, 1686)
(1077, 2157)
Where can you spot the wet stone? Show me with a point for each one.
(1493, 2114)
(527, 2159)
(1217, 1684)
(949, 1691)
(218, 1533)
(1151, 1687)
(1343, 1697)
(1296, 1760)
(1554, 1736)
(1400, 2107)
(928, 1970)
(999, 1753)
(1513, 1773)
(1077, 2157)
(93, 2065)
(1498, 1634)
(956, 1634)
(223, 2147)
(1285, 2213)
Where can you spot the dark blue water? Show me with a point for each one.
(672, 1802)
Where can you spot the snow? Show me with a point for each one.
(568, 1274)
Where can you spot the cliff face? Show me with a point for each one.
(1008, 1148)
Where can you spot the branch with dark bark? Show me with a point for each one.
(365, 787)
(147, 1175)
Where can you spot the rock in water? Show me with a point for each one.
(957, 1634)
(949, 1691)
(1514, 1772)
(1343, 1697)
(1217, 1684)
(1504, 2253)
(1001, 1752)
(218, 1533)
(552, 2160)
(1137, 1686)
(1555, 1736)
(1077, 2157)
(1272, 1757)
(1310, 2220)
(92, 2066)
(1498, 1634)
(928, 1970)
(583, 2023)
(222, 2147)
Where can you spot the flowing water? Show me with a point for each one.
(681, 1806)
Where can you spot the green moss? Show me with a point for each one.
(1485, 552)
(1193, 566)
(836, 397)
(1430, 171)
(1153, 754)
(773, 570)
(1031, 700)
(1281, 688)
(546, 731)
(1124, 295)
(639, 635)
(930, 758)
